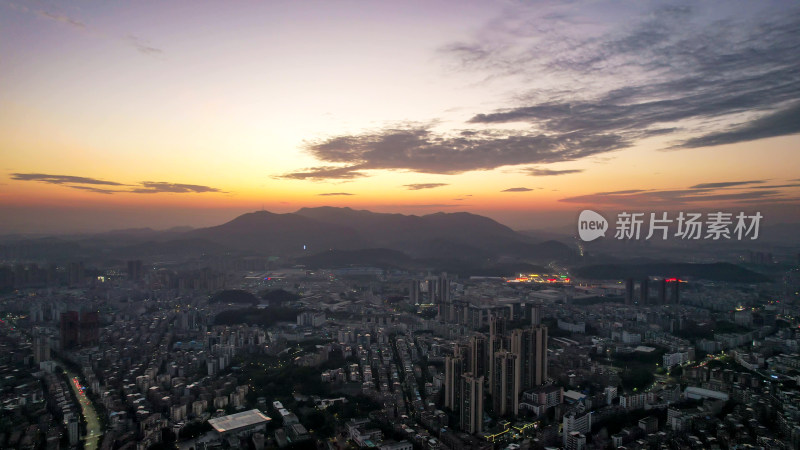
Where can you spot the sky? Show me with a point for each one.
(131, 114)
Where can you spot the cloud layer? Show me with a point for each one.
(420, 149)
(89, 184)
(419, 186)
(61, 179)
(725, 184)
(680, 68)
(143, 47)
(728, 191)
(696, 75)
(326, 173)
(155, 187)
(135, 42)
(62, 18)
(536, 172)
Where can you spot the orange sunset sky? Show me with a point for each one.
(132, 114)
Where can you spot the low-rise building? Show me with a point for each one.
(240, 424)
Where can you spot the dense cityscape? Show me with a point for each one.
(245, 351)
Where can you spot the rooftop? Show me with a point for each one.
(238, 420)
(574, 395)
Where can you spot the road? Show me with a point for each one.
(93, 430)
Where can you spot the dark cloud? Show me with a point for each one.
(419, 149)
(678, 75)
(433, 205)
(88, 184)
(725, 184)
(326, 173)
(61, 179)
(330, 194)
(775, 186)
(736, 196)
(517, 189)
(94, 189)
(682, 72)
(673, 70)
(638, 112)
(640, 197)
(629, 191)
(155, 187)
(774, 201)
(780, 123)
(418, 186)
(549, 172)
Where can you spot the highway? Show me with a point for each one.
(93, 430)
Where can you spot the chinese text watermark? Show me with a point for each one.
(688, 226)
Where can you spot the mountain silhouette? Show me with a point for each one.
(441, 235)
(267, 232)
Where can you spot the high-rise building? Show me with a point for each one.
(629, 291)
(75, 274)
(69, 328)
(497, 342)
(539, 367)
(521, 345)
(413, 292)
(644, 291)
(471, 411)
(52, 275)
(20, 276)
(432, 290)
(443, 289)
(453, 369)
(135, 270)
(674, 293)
(497, 326)
(89, 329)
(531, 346)
(478, 358)
(79, 330)
(662, 291)
(41, 348)
(441, 297)
(506, 383)
(535, 314)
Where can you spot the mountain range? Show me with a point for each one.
(324, 235)
(441, 235)
(328, 237)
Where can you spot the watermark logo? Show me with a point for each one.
(591, 225)
(686, 226)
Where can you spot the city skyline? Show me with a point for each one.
(128, 115)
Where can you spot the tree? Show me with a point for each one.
(637, 378)
(279, 296)
(234, 296)
(194, 429)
